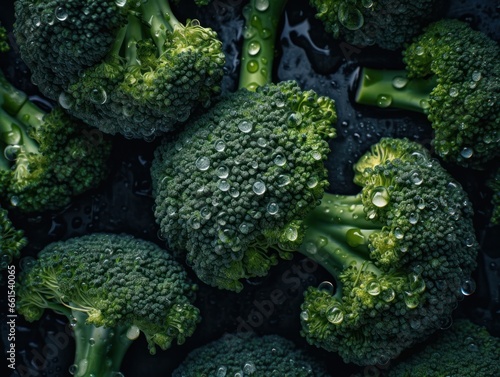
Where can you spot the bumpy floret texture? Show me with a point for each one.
(418, 266)
(464, 107)
(117, 280)
(11, 240)
(71, 160)
(494, 184)
(386, 23)
(234, 355)
(241, 178)
(465, 349)
(156, 95)
(58, 39)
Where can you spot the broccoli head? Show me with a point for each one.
(111, 288)
(465, 349)
(401, 254)
(453, 75)
(494, 184)
(386, 23)
(48, 156)
(240, 179)
(245, 354)
(11, 240)
(126, 67)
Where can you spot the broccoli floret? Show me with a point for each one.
(453, 75)
(386, 23)
(465, 349)
(111, 288)
(401, 253)
(48, 156)
(126, 67)
(245, 354)
(4, 45)
(494, 184)
(11, 240)
(239, 179)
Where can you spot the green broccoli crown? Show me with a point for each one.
(49, 157)
(401, 253)
(114, 281)
(11, 240)
(464, 106)
(240, 178)
(386, 23)
(235, 355)
(465, 349)
(152, 72)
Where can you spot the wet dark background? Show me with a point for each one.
(123, 203)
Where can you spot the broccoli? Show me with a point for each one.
(466, 349)
(128, 67)
(250, 355)
(386, 23)
(48, 156)
(493, 183)
(401, 253)
(111, 288)
(11, 240)
(453, 75)
(239, 178)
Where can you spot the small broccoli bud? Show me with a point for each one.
(11, 240)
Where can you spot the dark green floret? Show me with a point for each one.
(465, 349)
(11, 240)
(249, 355)
(48, 156)
(453, 75)
(111, 288)
(386, 23)
(494, 184)
(240, 179)
(126, 67)
(401, 254)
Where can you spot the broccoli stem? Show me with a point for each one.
(337, 233)
(259, 38)
(392, 88)
(18, 115)
(99, 350)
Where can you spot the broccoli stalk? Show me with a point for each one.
(111, 288)
(452, 76)
(398, 253)
(259, 39)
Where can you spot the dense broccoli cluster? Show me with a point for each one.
(245, 354)
(126, 67)
(240, 179)
(111, 288)
(48, 156)
(452, 75)
(465, 349)
(11, 240)
(401, 254)
(494, 184)
(386, 23)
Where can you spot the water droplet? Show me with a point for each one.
(367, 3)
(398, 233)
(304, 315)
(453, 92)
(234, 192)
(98, 96)
(388, 294)
(61, 13)
(424, 104)
(120, 3)
(335, 315)
(468, 287)
(253, 66)
(249, 367)
(11, 152)
(310, 248)
(476, 76)
(245, 126)
(261, 5)
(245, 228)
(283, 180)
(221, 371)
(279, 160)
(222, 171)
(373, 288)
(272, 208)
(259, 187)
(133, 332)
(316, 155)
(384, 100)
(261, 142)
(14, 200)
(291, 233)
(380, 197)
(416, 178)
(419, 50)
(253, 48)
(399, 82)
(413, 219)
(312, 182)
(223, 185)
(203, 163)
(220, 145)
(350, 16)
(65, 100)
(466, 152)
(326, 287)
(91, 342)
(295, 119)
(411, 300)
(73, 369)
(416, 283)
